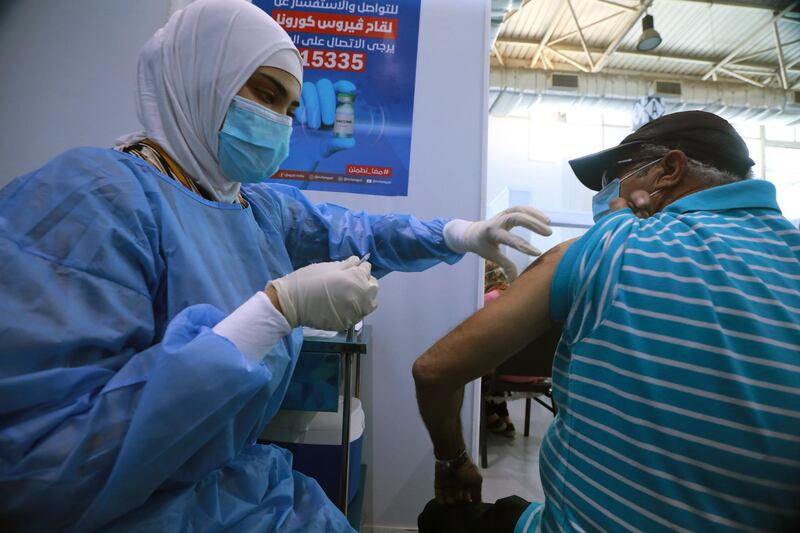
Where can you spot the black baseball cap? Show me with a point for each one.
(700, 135)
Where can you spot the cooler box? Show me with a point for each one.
(315, 438)
(315, 383)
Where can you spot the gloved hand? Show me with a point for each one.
(331, 296)
(317, 113)
(485, 237)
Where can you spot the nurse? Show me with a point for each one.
(152, 296)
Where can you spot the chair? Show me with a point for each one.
(535, 360)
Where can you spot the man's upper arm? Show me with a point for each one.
(572, 283)
(496, 332)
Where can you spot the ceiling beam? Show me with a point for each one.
(595, 23)
(769, 5)
(746, 42)
(523, 64)
(548, 34)
(753, 55)
(621, 35)
(765, 68)
(781, 62)
(567, 59)
(617, 5)
(741, 78)
(791, 64)
(580, 34)
(497, 53)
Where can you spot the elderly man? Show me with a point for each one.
(677, 375)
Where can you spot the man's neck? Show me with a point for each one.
(682, 192)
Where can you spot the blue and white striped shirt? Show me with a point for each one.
(678, 374)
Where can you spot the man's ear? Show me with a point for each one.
(675, 164)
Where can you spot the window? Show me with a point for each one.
(754, 138)
(754, 146)
(781, 133)
(783, 171)
(776, 153)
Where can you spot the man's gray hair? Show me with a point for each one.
(706, 172)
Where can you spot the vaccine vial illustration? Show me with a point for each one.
(345, 115)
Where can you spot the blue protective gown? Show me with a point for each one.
(119, 406)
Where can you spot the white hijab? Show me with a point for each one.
(189, 72)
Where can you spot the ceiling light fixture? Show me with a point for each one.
(650, 38)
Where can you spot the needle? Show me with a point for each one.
(351, 331)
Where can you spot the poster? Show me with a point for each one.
(353, 131)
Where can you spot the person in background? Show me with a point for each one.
(153, 293)
(497, 417)
(677, 375)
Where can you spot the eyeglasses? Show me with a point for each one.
(605, 179)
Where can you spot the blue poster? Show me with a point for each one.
(352, 132)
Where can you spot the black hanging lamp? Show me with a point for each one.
(650, 38)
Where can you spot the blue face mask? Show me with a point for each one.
(600, 201)
(253, 141)
(610, 191)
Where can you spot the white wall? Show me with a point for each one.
(69, 72)
(415, 310)
(552, 183)
(514, 177)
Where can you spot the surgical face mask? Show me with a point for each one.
(601, 200)
(610, 191)
(253, 141)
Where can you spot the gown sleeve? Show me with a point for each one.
(328, 232)
(99, 405)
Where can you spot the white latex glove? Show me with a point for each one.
(255, 327)
(485, 237)
(331, 296)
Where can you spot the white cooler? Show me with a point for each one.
(315, 438)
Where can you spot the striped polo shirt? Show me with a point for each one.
(678, 373)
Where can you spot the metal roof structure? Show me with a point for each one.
(734, 41)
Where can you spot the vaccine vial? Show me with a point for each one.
(345, 116)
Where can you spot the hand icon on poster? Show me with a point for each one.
(328, 118)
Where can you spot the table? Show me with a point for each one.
(348, 348)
